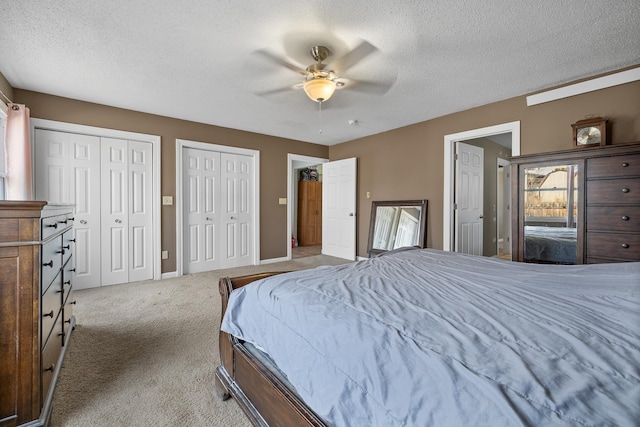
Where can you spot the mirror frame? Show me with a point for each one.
(422, 232)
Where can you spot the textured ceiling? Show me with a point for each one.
(201, 60)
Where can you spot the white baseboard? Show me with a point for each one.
(273, 260)
(169, 275)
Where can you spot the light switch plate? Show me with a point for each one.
(282, 200)
(167, 200)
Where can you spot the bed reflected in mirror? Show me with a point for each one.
(550, 214)
(397, 223)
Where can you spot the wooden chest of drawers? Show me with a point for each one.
(36, 307)
(605, 194)
(613, 208)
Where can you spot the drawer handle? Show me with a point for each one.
(68, 320)
(71, 219)
(625, 165)
(625, 190)
(73, 302)
(63, 222)
(73, 240)
(66, 247)
(50, 368)
(625, 218)
(625, 245)
(48, 264)
(61, 251)
(73, 269)
(49, 314)
(68, 282)
(53, 225)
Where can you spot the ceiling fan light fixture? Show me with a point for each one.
(319, 89)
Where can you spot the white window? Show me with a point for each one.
(3, 163)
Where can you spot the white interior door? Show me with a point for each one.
(469, 184)
(201, 190)
(236, 218)
(339, 208)
(68, 171)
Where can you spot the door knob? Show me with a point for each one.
(233, 217)
(118, 221)
(82, 221)
(351, 214)
(209, 219)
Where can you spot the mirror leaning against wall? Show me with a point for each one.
(396, 224)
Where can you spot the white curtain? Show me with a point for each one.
(18, 154)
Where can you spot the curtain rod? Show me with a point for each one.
(6, 97)
(13, 105)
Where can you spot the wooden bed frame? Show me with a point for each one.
(263, 397)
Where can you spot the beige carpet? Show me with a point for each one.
(144, 354)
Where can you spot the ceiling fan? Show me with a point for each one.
(321, 79)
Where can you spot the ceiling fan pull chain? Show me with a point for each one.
(320, 116)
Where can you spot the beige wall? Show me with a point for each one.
(273, 159)
(407, 163)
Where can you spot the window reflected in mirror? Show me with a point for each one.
(397, 224)
(550, 214)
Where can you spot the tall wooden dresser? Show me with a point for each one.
(36, 306)
(606, 194)
(309, 213)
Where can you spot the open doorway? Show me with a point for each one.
(298, 166)
(505, 137)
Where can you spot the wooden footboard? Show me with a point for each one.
(262, 396)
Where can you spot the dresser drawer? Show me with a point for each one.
(616, 166)
(67, 313)
(613, 218)
(68, 242)
(51, 261)
(52, 224)
(50, 356)
(613, 191)
(613, 245)
(51, 303)
(67, 279)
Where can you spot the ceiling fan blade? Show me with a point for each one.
(274, 91)
(366, 86)
(349, 59)
(280, 61)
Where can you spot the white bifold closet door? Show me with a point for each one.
(109, 182)
(218, 210)
(126, 236)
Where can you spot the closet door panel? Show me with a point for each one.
(201, 211)
(68, 171)
(114, 209)
(140, 215)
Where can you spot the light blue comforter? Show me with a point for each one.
(431, 338)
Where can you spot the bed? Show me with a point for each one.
(424, 337)
(556, 245)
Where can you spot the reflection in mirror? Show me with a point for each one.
(397, 224)
(550, 214)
